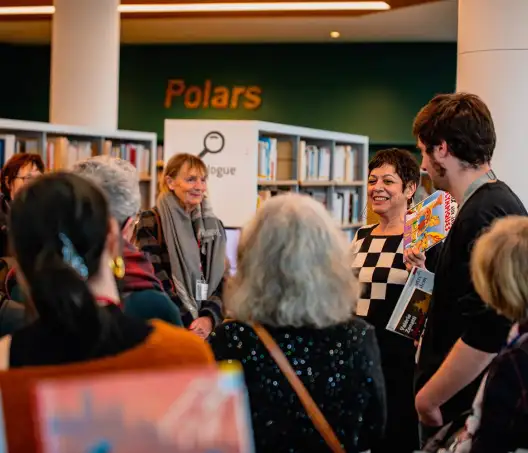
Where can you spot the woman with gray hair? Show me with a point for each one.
(293, 281)
(142, 293)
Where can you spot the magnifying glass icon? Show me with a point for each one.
(213, 143)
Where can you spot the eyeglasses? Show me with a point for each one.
(28, 177)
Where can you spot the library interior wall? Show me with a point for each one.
(372, 89)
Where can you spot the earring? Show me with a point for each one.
(118, 267)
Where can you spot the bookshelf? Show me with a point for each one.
(250, 161)
(62, 145)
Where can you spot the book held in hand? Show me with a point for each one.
(428, 222)
(409, 315)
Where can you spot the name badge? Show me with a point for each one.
(201, 290)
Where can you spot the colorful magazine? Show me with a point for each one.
(197, 410)
(410, 314)
(428, 222)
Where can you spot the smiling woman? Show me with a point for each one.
(186, 243)
(379, 265)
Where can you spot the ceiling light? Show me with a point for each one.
(22, 10)
(254, 7)
(335, 34)
(219, 7)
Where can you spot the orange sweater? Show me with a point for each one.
(166, 347)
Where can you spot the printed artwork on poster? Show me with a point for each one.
(196, 410)
(428, 222)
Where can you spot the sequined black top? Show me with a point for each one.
(340, 367)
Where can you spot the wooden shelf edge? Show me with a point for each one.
(278, 182)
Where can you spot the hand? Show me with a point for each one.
(428, 414)
(202, 326)
(413, 257)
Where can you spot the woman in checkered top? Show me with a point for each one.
(394, 175)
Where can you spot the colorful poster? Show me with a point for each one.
(193, 411)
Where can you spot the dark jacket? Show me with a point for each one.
(142, 293)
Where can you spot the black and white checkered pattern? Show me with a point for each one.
(378, 262)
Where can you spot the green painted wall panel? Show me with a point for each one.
(371, 89)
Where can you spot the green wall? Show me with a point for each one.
(370, 89)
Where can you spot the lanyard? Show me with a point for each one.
(477, 184)
(200, 259)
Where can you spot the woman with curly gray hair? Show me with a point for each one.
(293, 279)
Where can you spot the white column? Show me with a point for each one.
(85, 63)
(493, 63)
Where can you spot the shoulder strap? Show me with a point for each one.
(158, 223)
(318, 419)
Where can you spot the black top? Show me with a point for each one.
(39, 344)
(380, 269)
(456, 310)
(340, 367)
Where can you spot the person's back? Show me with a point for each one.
(338, 365)
(142, 294)
(294, 280)
(152, 304)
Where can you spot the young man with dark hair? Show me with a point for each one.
(456, 137)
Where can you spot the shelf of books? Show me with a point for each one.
(330, 166)
(62, 145)
(250, 161)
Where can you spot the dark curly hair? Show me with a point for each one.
(463, 121)
(405, 164)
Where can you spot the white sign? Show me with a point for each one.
(230, 150)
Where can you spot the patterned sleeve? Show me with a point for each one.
(149, 242)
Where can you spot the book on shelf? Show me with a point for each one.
(345, 206)
(276, 161)
(7, 148)
(410, 313)
(428, 222)
(62, 153)
(196, 409)
(315, 163)
(137, 154)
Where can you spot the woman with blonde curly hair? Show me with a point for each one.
(293, 279)
(499, 270)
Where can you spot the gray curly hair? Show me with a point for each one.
(293, 267)
(118, 179)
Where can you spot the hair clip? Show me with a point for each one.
(71, 257)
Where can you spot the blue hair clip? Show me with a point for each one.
(71, 257)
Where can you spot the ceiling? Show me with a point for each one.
(433, 21)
